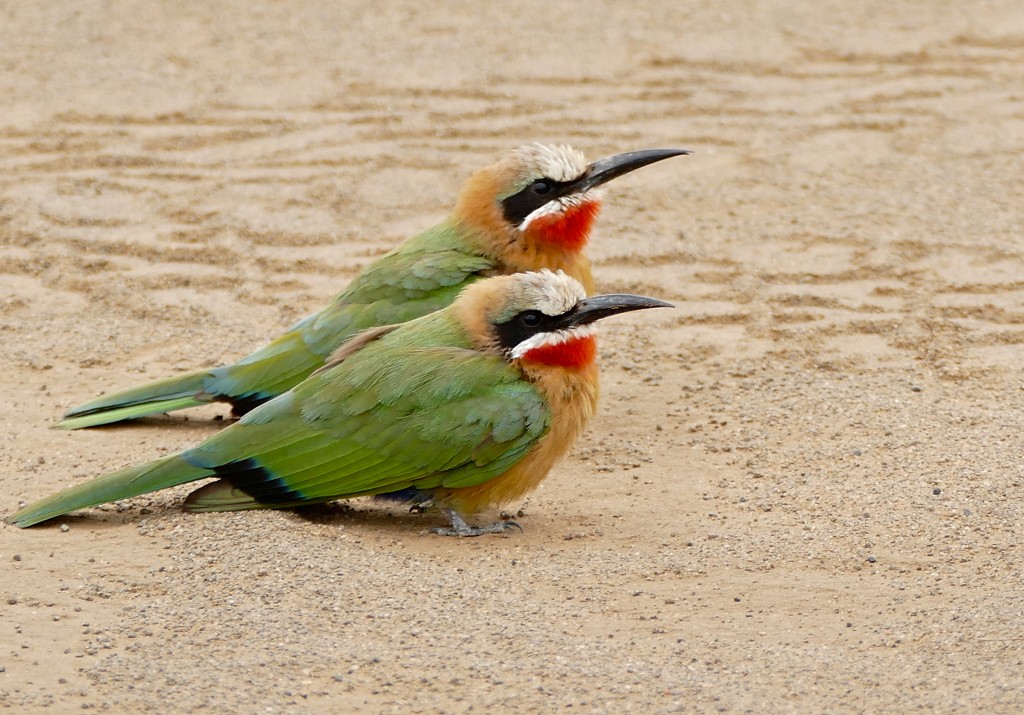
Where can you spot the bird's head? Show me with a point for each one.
(544, 198)
(541, 318)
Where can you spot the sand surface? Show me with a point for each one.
(804, 491)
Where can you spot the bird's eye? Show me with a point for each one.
(541, 188)
(530, 320)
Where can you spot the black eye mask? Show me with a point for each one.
(518, 206)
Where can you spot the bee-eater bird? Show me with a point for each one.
(464, 408)
(533, 209)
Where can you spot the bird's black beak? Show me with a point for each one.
(601, 306)
(604, 170)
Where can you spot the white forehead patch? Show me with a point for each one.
(543, 340)
(558, 163)
(549, 292)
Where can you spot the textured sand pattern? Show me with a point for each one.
(803, 492)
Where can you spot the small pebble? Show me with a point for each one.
(17, 557)
(936, 491)
(872, 559)
(65, 528)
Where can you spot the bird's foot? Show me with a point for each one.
(459, 526)
(498, 527)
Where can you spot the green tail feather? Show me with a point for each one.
(129, 413)
(152, 398)
(163, 473)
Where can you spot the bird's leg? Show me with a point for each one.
(459, 526)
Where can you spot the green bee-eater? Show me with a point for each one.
(533, 209)
(464, 408)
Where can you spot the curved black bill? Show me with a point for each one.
(604, 170)
(601, 306)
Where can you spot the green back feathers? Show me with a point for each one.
(421, 276)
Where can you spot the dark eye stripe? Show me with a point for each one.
(518, 206)
(522, 326)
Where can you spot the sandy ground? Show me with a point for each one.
(804, 490)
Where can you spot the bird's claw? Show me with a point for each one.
(459, 526)
(498, 527)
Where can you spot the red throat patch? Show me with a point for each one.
(573, 354)
(570, 229)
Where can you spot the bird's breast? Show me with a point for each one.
(572, 397)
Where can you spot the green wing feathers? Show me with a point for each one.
(390, 417)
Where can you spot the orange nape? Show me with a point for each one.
(574, 354)
(568, 229)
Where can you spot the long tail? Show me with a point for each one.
(162, 473)
(174, 393)
(266, 373)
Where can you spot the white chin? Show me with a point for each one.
(541, 340)
(551, 208)
(557, 206)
